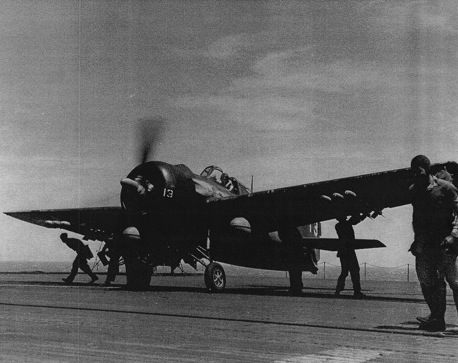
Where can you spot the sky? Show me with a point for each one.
(290, 92)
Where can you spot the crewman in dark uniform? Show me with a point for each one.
(112, 251)
(83, 253)
(348, 260)
(435, 225)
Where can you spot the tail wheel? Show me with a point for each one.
(215, 278)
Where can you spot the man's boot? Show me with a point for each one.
(357, 287)
(436, 321)
(424, 319)
(359, 295)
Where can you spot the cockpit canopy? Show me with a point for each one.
(214, 173)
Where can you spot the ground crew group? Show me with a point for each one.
(83, 254)
(435, 225)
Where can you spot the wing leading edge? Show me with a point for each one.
(93, 223)
(315, 202)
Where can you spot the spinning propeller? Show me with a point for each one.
(149, 134)
(135, 187)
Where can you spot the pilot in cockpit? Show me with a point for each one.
(227, 182)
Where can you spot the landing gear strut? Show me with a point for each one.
(215, 277)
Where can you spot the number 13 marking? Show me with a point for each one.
(168, 193)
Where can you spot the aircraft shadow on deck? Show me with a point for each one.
(253, 290)
(307, 292)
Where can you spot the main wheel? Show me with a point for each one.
(215, 278)
(138, 274)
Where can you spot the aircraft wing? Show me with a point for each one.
(93, 223)
(315, 202)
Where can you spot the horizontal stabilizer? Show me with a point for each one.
(333, 244)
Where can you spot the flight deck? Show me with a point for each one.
(177, 320)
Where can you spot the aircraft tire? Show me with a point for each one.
(138, 274)
(215, 277)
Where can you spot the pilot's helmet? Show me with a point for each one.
(224, 176)
(420, 161)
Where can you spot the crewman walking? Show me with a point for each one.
(83, 253)
(348, 260)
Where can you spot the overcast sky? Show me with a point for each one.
(290, 92)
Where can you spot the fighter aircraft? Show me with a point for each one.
(168, 214)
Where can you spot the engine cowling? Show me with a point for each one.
(146, 185)
(161, 201)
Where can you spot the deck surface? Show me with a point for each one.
(177, 320)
